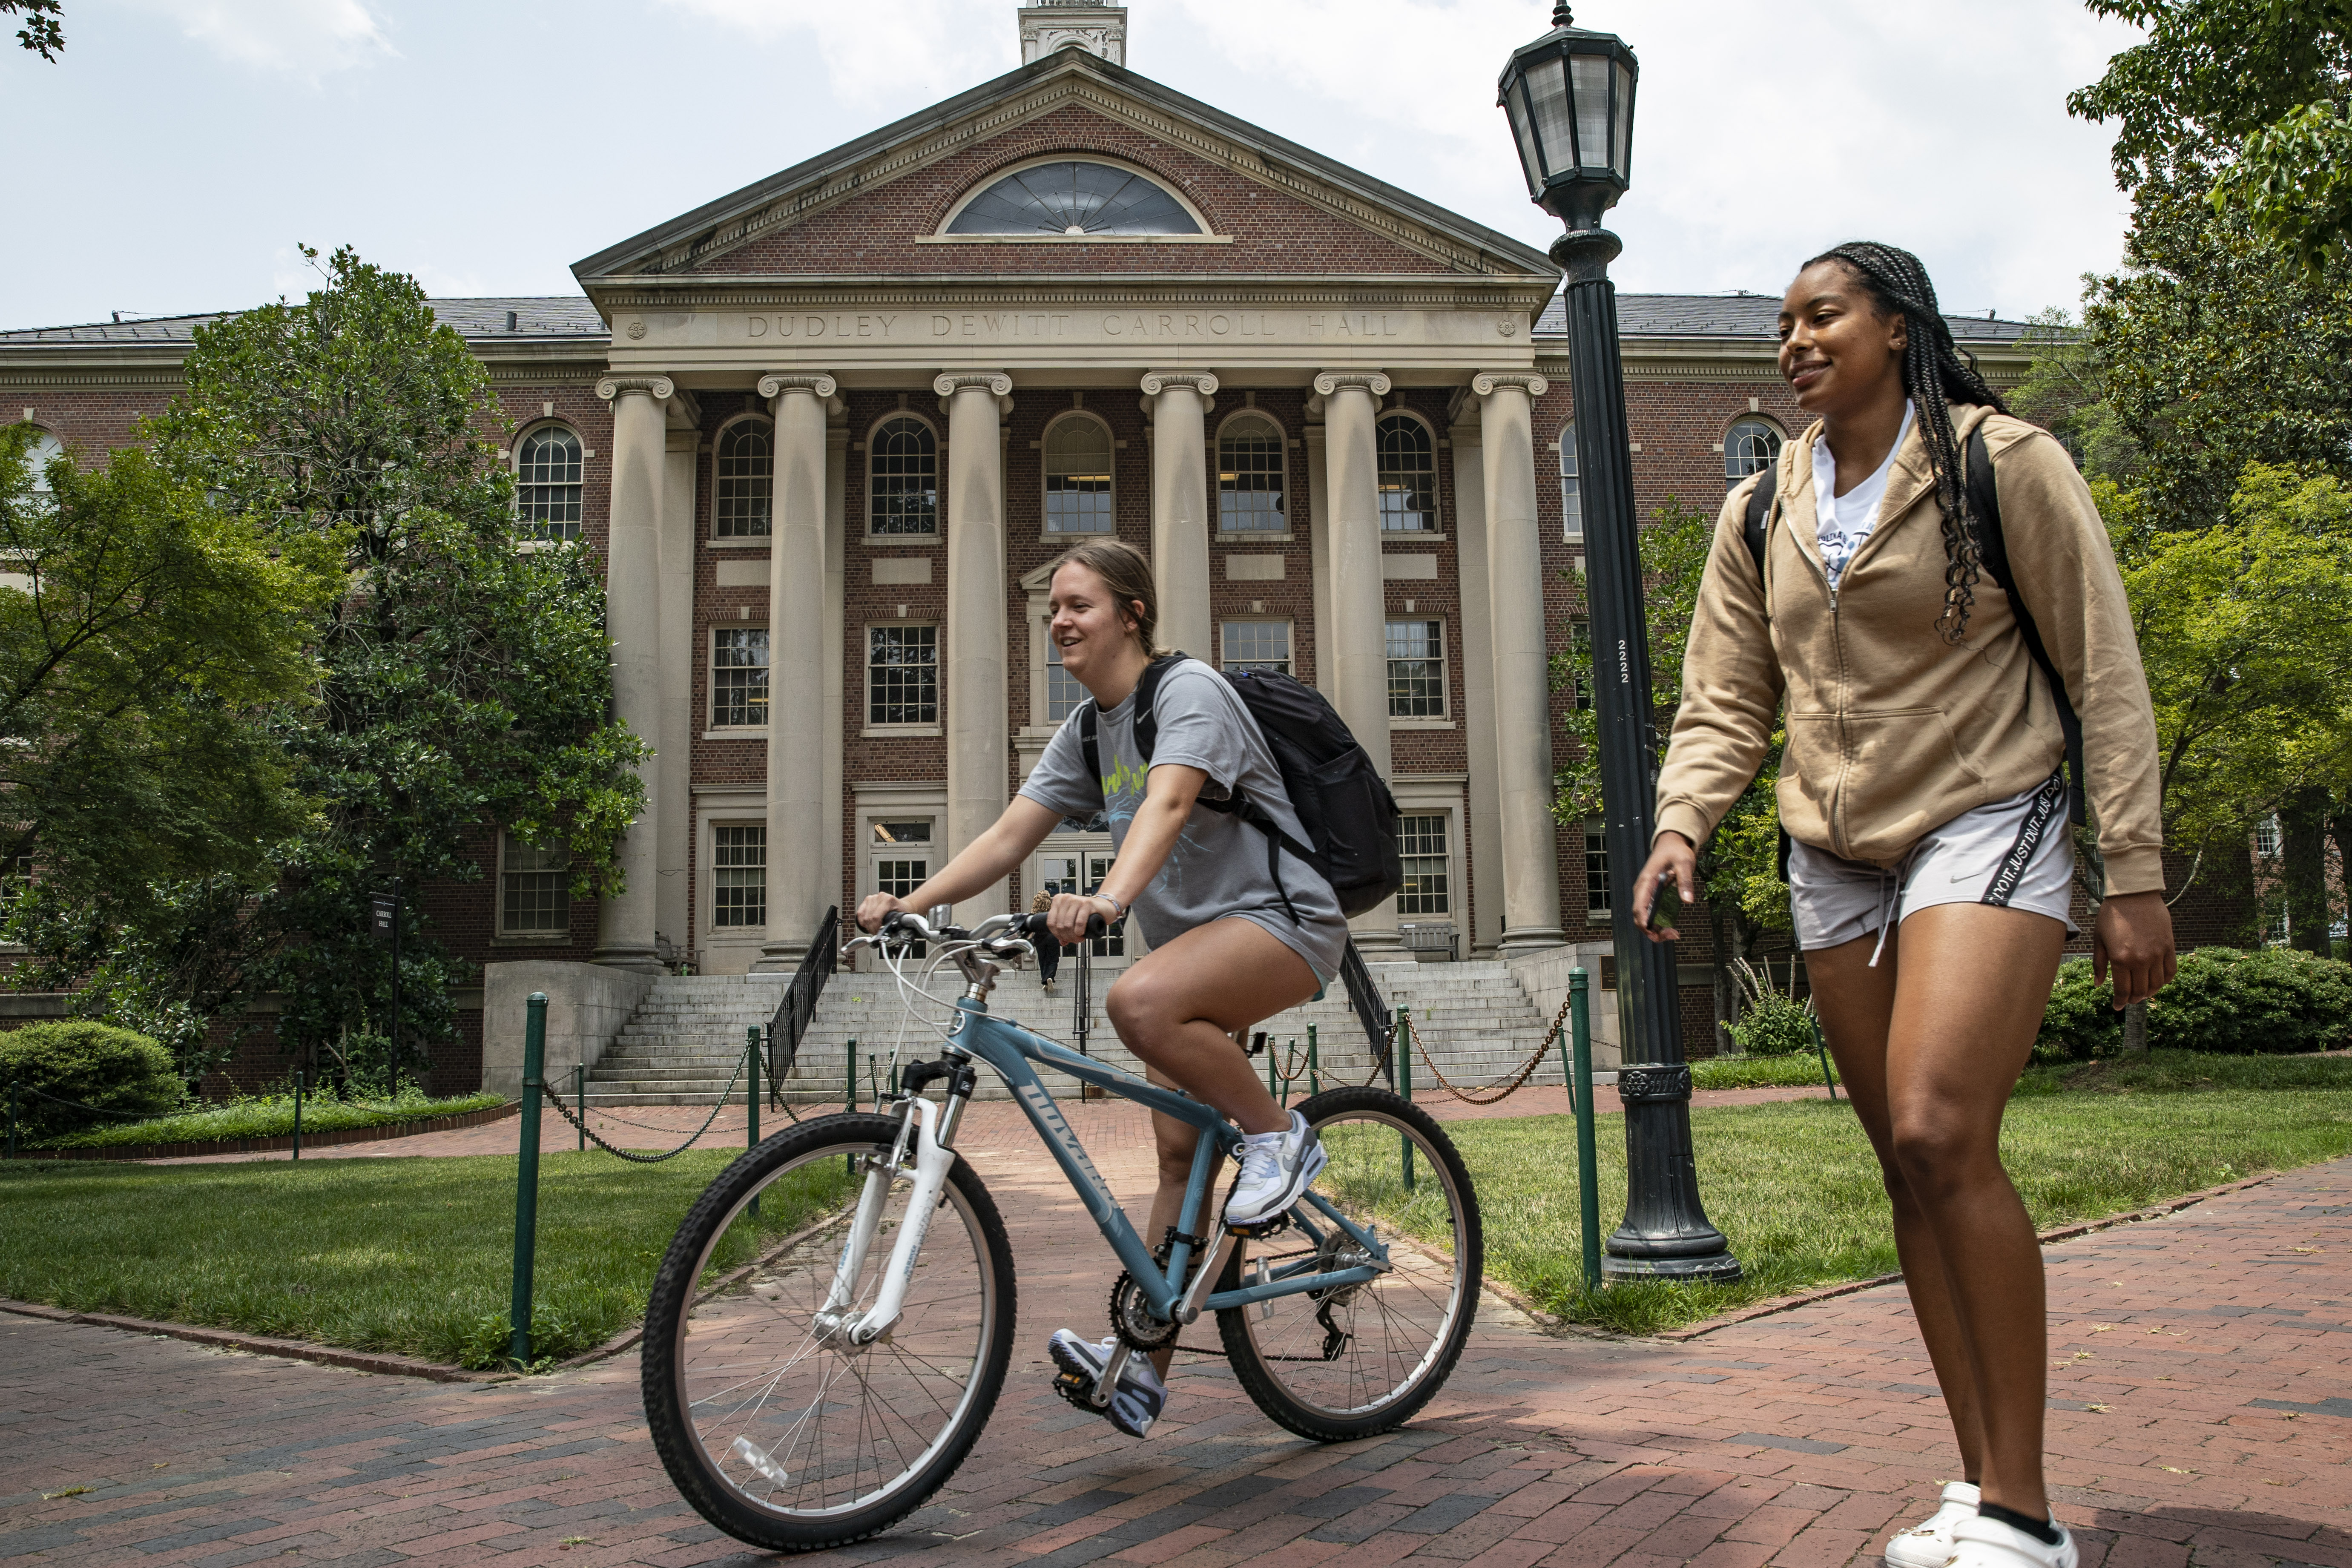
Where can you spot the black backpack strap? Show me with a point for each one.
(1760, 512)
(1087, 741)
(1147, 722)
(1992, 546)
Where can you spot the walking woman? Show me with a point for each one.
(1227, 949)
(1931, 869)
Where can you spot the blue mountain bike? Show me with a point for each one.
(821, 1392)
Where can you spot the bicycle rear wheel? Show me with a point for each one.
(772, 1426)
(1361, 1359)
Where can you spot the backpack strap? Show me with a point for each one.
(1147, 727)
(1759, 510)
(1992, 546)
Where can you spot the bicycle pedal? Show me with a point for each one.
(1080, 1392)
(1263, 1229)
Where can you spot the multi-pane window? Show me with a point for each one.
(1596, 872)
(902, 857)
(547, 483)
(1257, 645)
(1416, 669)
(1063, 692)
(1077, 477)
(903, 466)
(45, 450)
(1421, 844)
(902, 675)
(1572, 488)
(1751, 447)
(2266, 837)
(746, 465)
(738, 874)
(1250, 465)
(1407, 468)
(739, 677)
(535, 889)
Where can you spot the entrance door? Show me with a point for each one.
(1079, 868)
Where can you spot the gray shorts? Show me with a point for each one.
(2014, 854)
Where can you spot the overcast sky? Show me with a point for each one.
(183, 148)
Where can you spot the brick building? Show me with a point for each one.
(827, 431)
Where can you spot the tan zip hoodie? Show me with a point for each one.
(1892, 730)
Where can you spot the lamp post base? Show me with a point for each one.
(1717, 1267)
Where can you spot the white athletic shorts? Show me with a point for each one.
(2014, 854)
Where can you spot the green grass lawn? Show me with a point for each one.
(1794, 1188)
(1798, 1071)
(410, 1256)
(268, 1116)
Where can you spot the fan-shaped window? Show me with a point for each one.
(903, 461)
(1752, 446)
(1408, 475)
(45, 450)
(1077, 477)
(1250, 464)
(747, 475)
(547, 483)
(1073, 198)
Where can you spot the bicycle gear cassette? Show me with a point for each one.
(1131, 1318)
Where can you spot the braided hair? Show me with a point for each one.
(1935, 373)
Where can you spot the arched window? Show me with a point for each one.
(1076, 198)
(1408, 475)
(1078, 476)
(1250, 467)
(1572, 487)
(902, 465)
(547, 483)
(747, 475)
(1751, 447)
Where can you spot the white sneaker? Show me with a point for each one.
(1928, 1544)
(1983, 1542)
(1136, 1399)
(1276, 1169)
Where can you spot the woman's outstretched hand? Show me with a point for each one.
(1673, 856)
(2132, 941)
(876, 907)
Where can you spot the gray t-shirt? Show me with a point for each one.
(1218, 865)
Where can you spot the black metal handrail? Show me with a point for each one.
(1372, 1009)
(798, 1004)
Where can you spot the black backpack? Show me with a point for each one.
(1984, 501)
(1341, 798)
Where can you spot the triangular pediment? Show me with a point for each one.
(870, 206)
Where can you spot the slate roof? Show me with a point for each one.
(1732, 316)
(562, 316)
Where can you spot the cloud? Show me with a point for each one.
(306, 38)
(901, 54)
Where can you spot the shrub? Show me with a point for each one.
(1771, 1023)
(2081, 1022)
(98, 1065)
(2268, 1000)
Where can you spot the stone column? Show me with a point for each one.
(798, 890)
(1484, 838)
(1179, 507)
(625, 926)
(973, 656)
(673, 916)
(1356, 640)
(836, 490)
(1515, 598)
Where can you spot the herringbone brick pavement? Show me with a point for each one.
(2201, 1415)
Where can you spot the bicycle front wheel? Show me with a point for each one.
(774, 1426)
(1360, 1359)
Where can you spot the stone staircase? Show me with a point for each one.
(682, 1044)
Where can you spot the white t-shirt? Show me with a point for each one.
(1842, 522)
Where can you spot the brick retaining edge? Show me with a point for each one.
(256, 1344)
(269, 1145)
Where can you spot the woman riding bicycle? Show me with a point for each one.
(1228, 948)
(1931, 873)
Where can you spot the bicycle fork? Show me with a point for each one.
(933, 1160)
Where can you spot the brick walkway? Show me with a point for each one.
(2202, 1414)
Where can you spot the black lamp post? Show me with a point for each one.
(1570, 95)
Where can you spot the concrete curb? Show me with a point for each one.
(258, 1344)
(328, 1139)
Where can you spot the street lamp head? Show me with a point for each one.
(1570, 96)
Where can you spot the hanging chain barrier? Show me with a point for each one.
(590, 1133)
(96, 1110)
(1518, 1081)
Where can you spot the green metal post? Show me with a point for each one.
(1588, 1163)
(534, 1064)
(1566, 1069)
(851, 1078)
(11, 1119)
(580, 1099)
(297, 1116)
(1270, 1075)
(1314, 1068)
(1821, 1044)
(1404, 1079)
(752, 1097)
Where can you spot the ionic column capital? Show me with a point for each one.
(1485, 382)
(1375, 382)
(950, 382)
(775, 384)
(1157, 381)
(657, 387)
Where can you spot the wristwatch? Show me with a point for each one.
(1115, 904)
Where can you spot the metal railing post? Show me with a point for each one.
(1314, 1078)
(580, 1100)
(525, 1241)
(1587, 1165)
(1821, 1044)
(752, 1097)
(1404, 1080)
(1567, 1068)
(1270, 1075)
(298, 1115)
(849, 1082)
